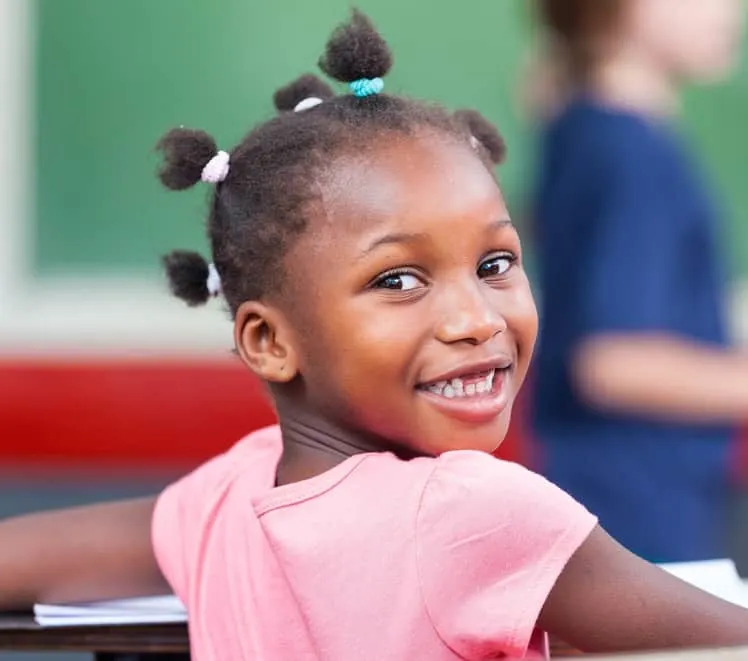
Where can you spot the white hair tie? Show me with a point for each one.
(214, 281)
(216, 169)
(307, 103)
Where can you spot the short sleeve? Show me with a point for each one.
(492, 539)
(631, 277)
(177, 527)
(186, 510)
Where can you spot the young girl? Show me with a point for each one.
(638, 387)
(376, 285)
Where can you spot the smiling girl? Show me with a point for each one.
(375, 280)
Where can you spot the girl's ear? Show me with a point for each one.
(264, 341)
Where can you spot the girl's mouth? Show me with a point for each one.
(475, 398)
(470, 385)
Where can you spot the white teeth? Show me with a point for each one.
(456, 388)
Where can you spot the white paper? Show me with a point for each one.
(145, 610)
(94, 619)
(717, 577)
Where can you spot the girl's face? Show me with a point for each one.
(692, 39)
(413, 317)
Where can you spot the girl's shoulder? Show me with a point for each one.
(504, 509)
(491, 539)
(468, 477)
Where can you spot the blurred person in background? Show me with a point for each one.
(639, 388)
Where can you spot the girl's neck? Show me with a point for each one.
(630, 80)
(313, 444)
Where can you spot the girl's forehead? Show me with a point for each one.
(410, 180)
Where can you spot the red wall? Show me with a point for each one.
(125, 413)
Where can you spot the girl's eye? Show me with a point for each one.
(398, 282)
(496, 265)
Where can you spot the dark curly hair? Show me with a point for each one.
(265, 201)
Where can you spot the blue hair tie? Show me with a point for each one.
(366, 87)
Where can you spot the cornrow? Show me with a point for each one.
(266, 187)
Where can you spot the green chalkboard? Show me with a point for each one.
(717, 120)
(113, 76)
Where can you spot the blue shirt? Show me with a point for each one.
(628, 244)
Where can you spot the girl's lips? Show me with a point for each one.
(471, 407)
(498, 363)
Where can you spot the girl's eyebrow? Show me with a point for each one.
(413, 237)
(394, 237)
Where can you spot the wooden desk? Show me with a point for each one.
(169, 642)
(724, 654)
(162, 642)
(151, 642)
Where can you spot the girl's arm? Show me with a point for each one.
(663, 377)
(608, 599)
(87, 553)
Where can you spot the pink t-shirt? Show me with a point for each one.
(439, 559)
